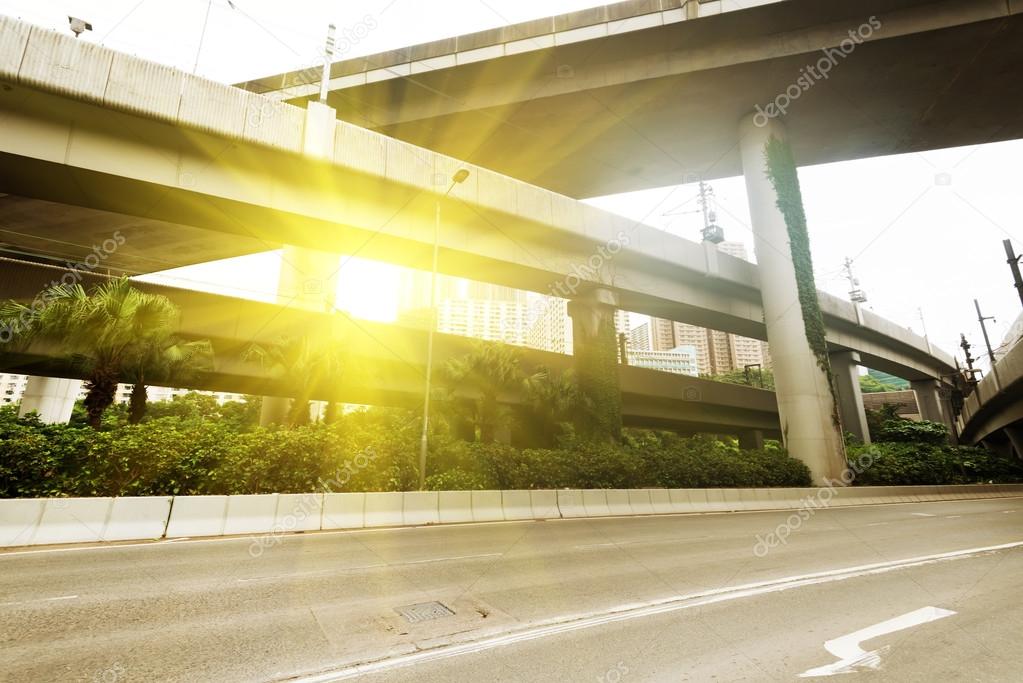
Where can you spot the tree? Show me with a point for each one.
(304, 364)
(551, 401)
(872, 385)
(483, 374)
(761, 378)
(104, 332)
(163, 358)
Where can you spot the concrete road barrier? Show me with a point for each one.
(570, 503)
(385, 509)
(544, 504)
(138, 519)
(343, 511)
(197, 516)
(595, 503)
(516, 505)
(19, 519)
(486, 506)
(420, 508)
(639, 502)
(299, 512)
(252, 514)
(73, 520)
(455, 506)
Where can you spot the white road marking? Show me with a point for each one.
(628, 612)
(952, 516)
(27, 602)
(922, 514)
(851, 656)
(878, 524)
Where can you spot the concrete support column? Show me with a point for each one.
(1015, 434)
(595, 350)
(53, 398)
(845, 366)
(751, 440)
(308, 280)
(927, 400)
(806, 405)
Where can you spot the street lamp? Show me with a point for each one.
(458, 178)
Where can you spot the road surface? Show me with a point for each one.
(935, 587)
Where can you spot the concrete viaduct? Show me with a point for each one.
(189, 170)
(386, 362)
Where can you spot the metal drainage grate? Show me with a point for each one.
(424, 611)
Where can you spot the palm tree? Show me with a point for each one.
(485, 372)
(551, 400)
(304, 364)
(105, 332)
(165, 360)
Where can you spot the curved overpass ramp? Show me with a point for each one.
(993, 413)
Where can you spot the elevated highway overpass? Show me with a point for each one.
(386, 363)
(647, 93)
(993, 413)
(87, 129)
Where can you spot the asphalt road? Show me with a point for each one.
(668, 598)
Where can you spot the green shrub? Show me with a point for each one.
(896, 463)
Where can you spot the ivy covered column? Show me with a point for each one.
(595, 349)
(805, 388)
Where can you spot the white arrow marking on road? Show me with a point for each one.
(851, 655)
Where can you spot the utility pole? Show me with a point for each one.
(971, 372)
(711, 231)
(623, 349)
(1013, 260)
(856, 295)
(328, 58)
(987, 341)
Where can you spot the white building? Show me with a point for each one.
(681, 360)
(12, 388)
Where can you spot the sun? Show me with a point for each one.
(369, 289)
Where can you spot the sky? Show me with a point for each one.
(924, 230)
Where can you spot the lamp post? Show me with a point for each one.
(459, 177)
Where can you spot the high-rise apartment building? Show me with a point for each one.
(716, 352)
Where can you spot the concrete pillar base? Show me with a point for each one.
(52, 398)
(929, 403)
(751, 440)
(1015, 434)
(595, 351)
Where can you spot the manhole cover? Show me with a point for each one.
(424, 611)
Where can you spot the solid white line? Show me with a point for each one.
(634, 611)
(27, 602)
(922, 514)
